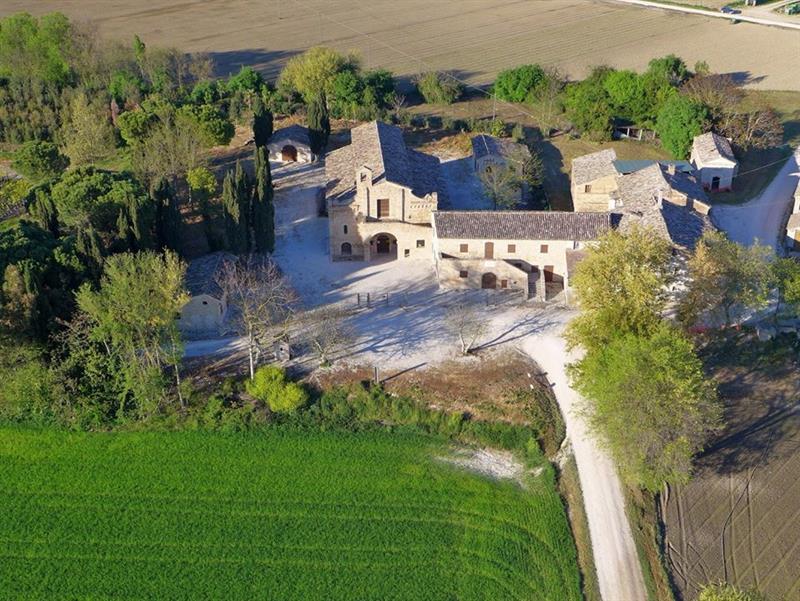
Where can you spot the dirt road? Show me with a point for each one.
(619, 573)
(760, 18)
(761, 218)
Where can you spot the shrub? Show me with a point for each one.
(271, 386)
(438, 87)
(521, 83)
(215, 129)
(39, 160)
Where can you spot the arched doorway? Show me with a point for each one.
(383, 246)
(347, 249)
(489, 281)
(289, 153)
(715, 183)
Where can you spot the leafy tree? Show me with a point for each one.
(319, 125)
(520, 84)
(214, 128)
(263, 209)
(728, 592)
(615, 301)
(679, 121)
(379, 89)
(786, 276)
(670, 68)
(38, 160)
(262, 123)
(89, 137)
(202, 185)
(134, 125)
(501, 183)
(127, 88)
(133, 312)
(648, 398)
(36, 48)
(347, 90)
(169, 150)
(724, 275)
(246, 80)
(313, 72)
(271, 385)
(588, 106)
(439, 87)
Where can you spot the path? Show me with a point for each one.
(619, 573)
(711, 13)
(761, 218)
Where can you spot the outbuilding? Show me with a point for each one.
(714, 162)
(291, 145)
(205, 312)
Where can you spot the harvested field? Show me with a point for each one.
(476, 38)
(737, 519)
(274, 515)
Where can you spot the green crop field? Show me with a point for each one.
(271, 515)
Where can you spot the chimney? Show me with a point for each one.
(660, 199)
(671, 168)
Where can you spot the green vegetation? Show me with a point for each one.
(281, 514)
(269, 385)
(438, 87)
(520, 84)
(679, 121)
(728, 592)
(39, 160)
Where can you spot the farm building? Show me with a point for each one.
(714, 162)
(380, 196)
(531, 251)
(291, 145)
(206, 310)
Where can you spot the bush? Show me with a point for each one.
(271, 386)
(679, 121)
(39, 160)
(521, 83)
(215, 129)
(437, 87)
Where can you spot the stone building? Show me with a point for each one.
(593, 179)
(714, 162)
(291, 145)
(207, 307)
(531, 251)
(380, 196)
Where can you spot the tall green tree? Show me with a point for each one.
(168, 215)
(133, 312)
(678, 122)
(38, 160)
(263, 208)
(649, 400)
(89, 136)
(621, 287)
(236, 212)
(319, 125)
(262, 123)
(202, 186)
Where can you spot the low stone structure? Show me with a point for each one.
(206, 310)
(714, 162)
(291, 145)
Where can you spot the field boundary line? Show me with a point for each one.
(711, 13)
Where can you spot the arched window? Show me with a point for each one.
(347, 249)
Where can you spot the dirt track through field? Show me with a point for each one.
(476, 38)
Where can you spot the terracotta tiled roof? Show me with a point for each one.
(590, 167)
(710, 146)
(381, 148)
(521, 225)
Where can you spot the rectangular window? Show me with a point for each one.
(543, 249)
(587, 189)
(345, 229)
(463, 274)
(464, 248)
(420, 243)
(504, 283)
(363, 177)
(548, 273)
(512, 248)
(383, 207)
(407, 252)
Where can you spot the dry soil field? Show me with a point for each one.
(475, 37)
(737, 520)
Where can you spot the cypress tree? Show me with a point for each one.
(230, 207)
(262, 123)
(263, 209)
(319, 125)
(244, 196)
(168, 216)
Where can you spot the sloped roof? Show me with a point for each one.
(710, 146)
(295, 133)
(381, 148)
(590, 167)
(484, 145)
(201, 273)
(521, 225)
(625, 167)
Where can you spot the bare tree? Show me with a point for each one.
(468, 323)
(262, 299)
(328, 329)
(757, 129)
(549, 98)
(502, 185)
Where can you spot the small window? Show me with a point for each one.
(420, 243)
(383, 207)
(345, 229)
(464, 248)
(205, 302)
(463, 273)
(504, 283)
(407, 252)
(347, 249)
(363, 177)
(512, 248)
(587, 189)
(543, 249)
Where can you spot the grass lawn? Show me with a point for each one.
(271, 515)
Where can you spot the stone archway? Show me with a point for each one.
(383, 246)
(489, 281)
(289, 154)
